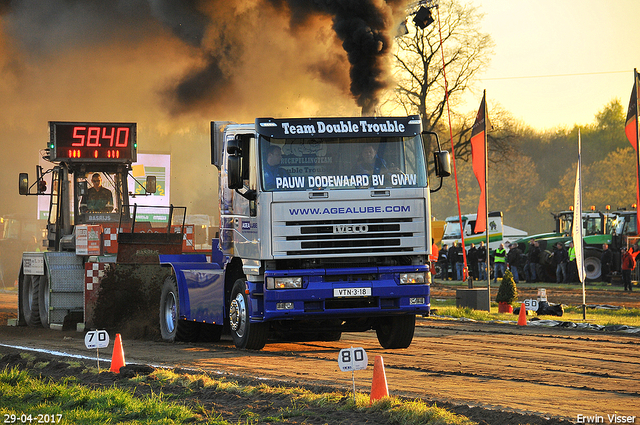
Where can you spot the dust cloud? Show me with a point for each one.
(174, 66)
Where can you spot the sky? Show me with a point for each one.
(174, 66)
(579, 53)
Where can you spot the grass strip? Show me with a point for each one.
(25, 392)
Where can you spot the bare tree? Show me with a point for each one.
(419, 68)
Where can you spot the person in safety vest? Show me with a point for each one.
(572, 267)
(433, 257)
(499, 262)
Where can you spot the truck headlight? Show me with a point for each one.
(412, 278)
(286, 282)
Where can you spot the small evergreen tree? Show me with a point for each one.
(507, 293)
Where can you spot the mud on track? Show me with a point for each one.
(543, 372)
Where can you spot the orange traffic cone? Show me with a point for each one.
(379, 386)
(117, 359)
(522, 318)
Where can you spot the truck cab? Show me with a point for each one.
(325, 226)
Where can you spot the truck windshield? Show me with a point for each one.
(452, 229)
(341, 163)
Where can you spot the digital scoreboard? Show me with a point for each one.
(92, 142)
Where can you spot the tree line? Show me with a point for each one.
(531, 173)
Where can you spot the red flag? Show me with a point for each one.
(479, 161)
(631, 130)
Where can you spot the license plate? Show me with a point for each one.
(351, 292)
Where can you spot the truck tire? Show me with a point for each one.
(330, 336)
(592, 265)
(171, 327)
(30, 289)
(210, 332)
(43, 299)
(247, 335)
(396, 331)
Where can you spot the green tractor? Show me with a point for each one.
(597, 229)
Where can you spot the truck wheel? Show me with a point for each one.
(210, 332)
(592, 266)
(396, 331)
(171, 327)
(30, 288)
(252, 336)
(330, 336)
(43, 299)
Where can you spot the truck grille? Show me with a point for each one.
(316, 237)
(396, 233)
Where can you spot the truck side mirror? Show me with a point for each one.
(233, 147)
(23, 184)
(234, 162)
(234, 172)
(442, 162)
(150, 185)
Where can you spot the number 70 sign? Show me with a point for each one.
(96, 339)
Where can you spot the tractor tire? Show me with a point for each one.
(396, 331)
(30, 289)
(592, 265)
(43, 299)
(172, 328)
(246, 335)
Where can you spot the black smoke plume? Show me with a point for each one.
(362, 26)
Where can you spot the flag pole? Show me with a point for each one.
(636, 82)
(486, 198)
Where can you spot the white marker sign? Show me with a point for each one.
(96, 339)
(531, 304)
(351, 359)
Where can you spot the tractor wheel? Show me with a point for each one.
(592, 265)
(252, 336)
(30, 289)
(396, 331)
(43, 299)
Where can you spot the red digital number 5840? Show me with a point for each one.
(118, 137)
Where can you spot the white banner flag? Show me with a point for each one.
(577, 218)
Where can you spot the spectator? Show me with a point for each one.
(560, 259)
(533, 261)
(443, 262)
(433, 257)
(513, 259)
(572, 268)
(606, 262)
(628, 264)
(482, 261)
(453, 259)
(460, 262)
(499, 262)
(472, 261)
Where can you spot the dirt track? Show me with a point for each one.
(550, 372)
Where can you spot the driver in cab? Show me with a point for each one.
(98, 198)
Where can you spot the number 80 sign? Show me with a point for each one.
(351, 359)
